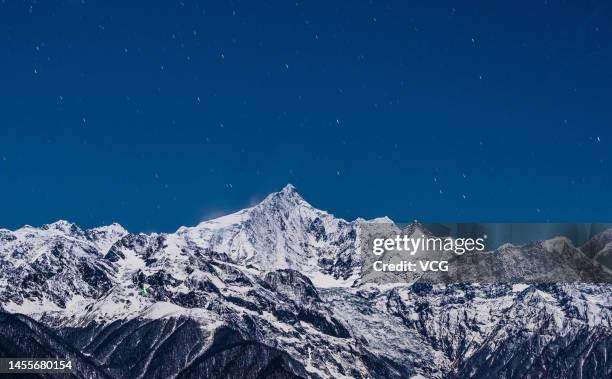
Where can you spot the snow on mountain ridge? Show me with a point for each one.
(61, 261)
(282, 231)
(261, 271)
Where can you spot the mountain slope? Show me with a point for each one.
(283, 231)
(20, 337)
(273, 291)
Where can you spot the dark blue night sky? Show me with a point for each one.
(157, 114)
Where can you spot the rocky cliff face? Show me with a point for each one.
(273, 291)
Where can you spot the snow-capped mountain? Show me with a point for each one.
(274, 291)
(283, 231)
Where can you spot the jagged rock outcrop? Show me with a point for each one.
(273, 291)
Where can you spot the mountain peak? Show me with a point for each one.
(289, 188)
(287, 195)
(415, 228)
(114, 227)
(284, 200)
(289, 191)
(63, 226)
